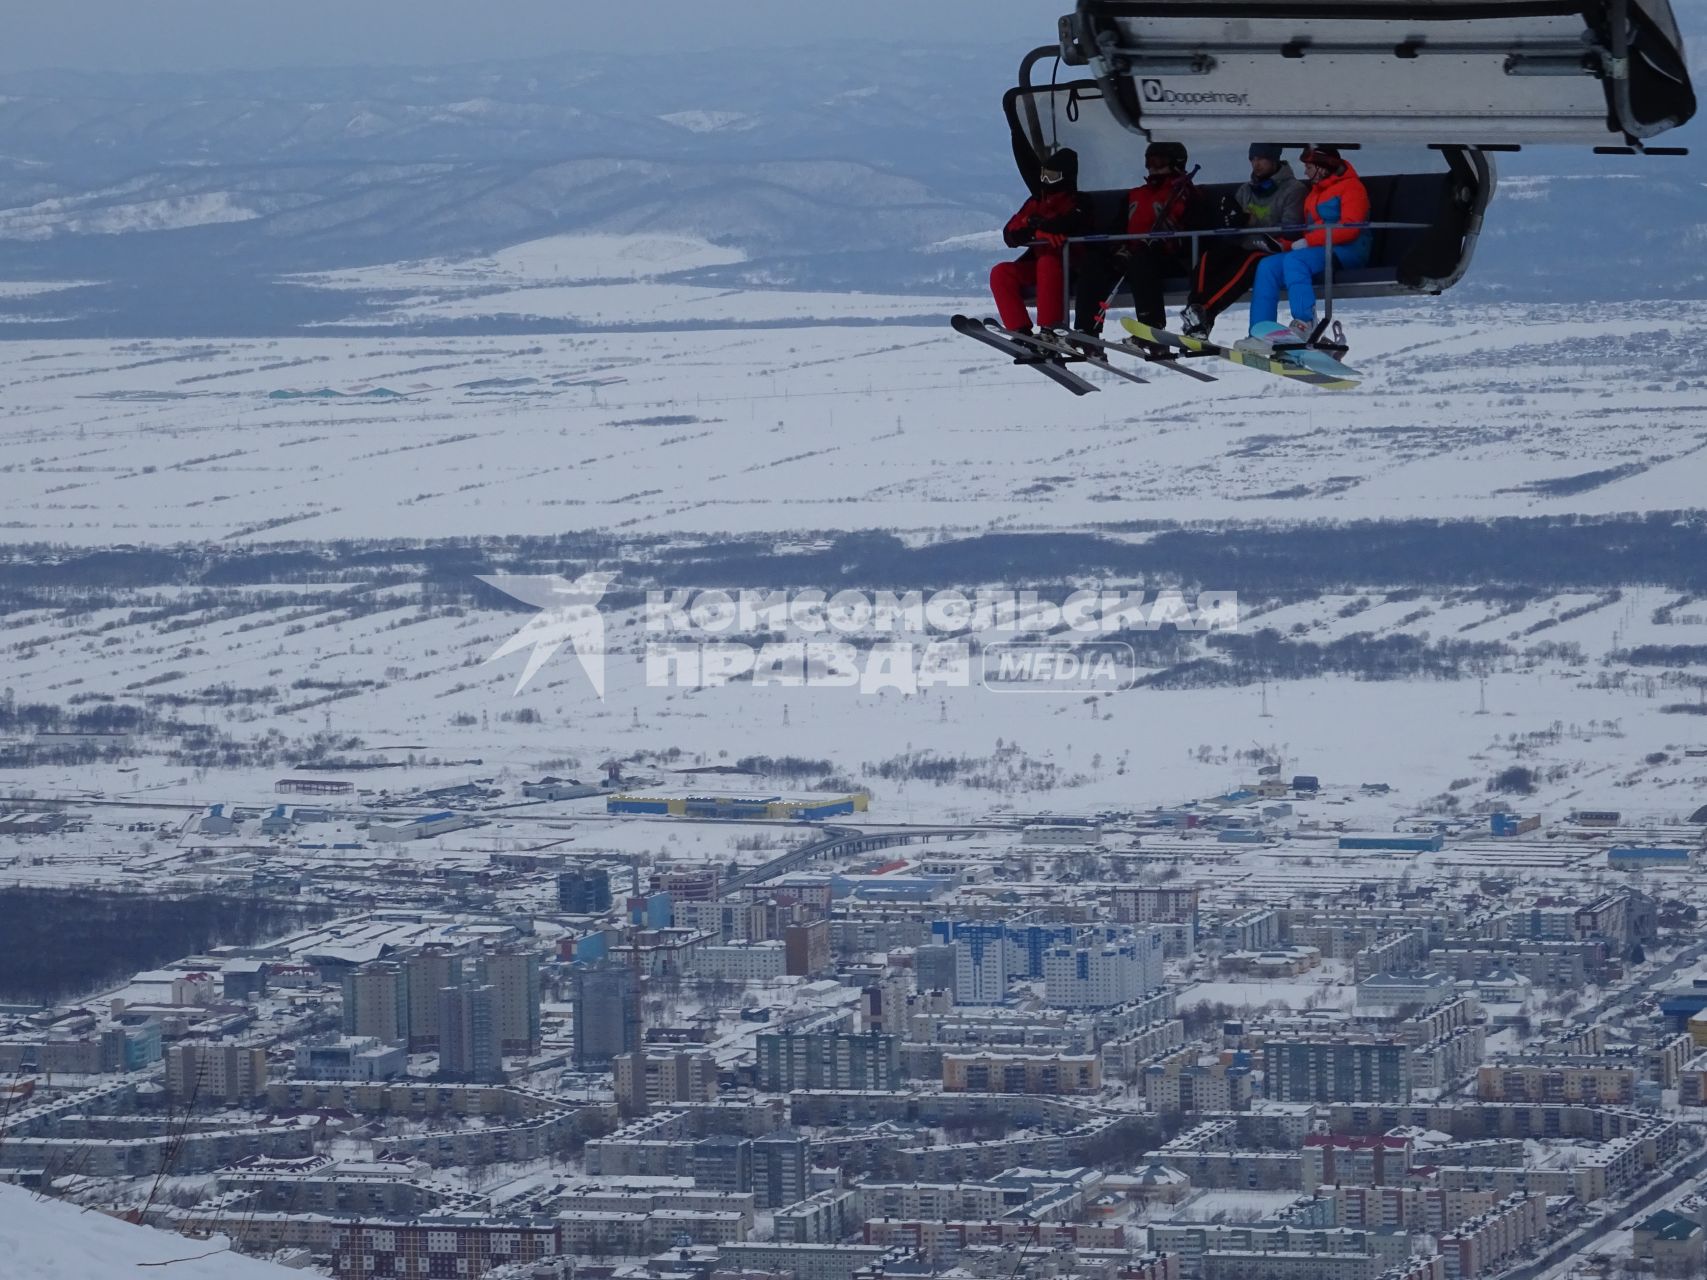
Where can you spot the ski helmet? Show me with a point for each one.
(1325, 157)
(1064, 161)
(1173, 153)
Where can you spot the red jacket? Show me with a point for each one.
(1353, 197)
(1160, 204)
(1059, 213)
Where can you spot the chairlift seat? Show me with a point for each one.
(1394, 267)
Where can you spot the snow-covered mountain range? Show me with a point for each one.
(868, 166)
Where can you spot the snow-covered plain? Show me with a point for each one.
(900, 426)
(574, 278)
(793, 431)
(1587, 728)
(29, 288)
(561, 259)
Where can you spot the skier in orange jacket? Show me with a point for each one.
(1334, 213)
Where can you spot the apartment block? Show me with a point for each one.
(1050, 1073)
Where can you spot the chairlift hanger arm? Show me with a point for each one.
(1337, 10)
(1505, 71)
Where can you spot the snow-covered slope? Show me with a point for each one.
(50, 1240)
(93, 217)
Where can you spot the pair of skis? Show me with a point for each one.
(1050, 355)
(1310, 365)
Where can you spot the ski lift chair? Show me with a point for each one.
(1426, 222)
(1463, 78)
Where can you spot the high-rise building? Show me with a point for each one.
(731, 921)
(1336, 1069)
(782, 1169)
(828, 1060)
(514, 972)
(131, 1048)
(651, 1078)
(376, 1002)
(981, 967)
(606, 1003)
(584, 891)
(1173, 910)
(696, 884)
(806, 948)
(992, 954)
(1155, 904)
(468, 1041)
(215, 1074)
(1102, 971)
(883, 1005)
(722, 1162)
(935, 964)
(431, 970)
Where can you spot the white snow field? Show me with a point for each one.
(29, 288)
(600, 279)
(561, 259)
(44, 1239)
(1484, 412)
(793, 430)
(417, 681)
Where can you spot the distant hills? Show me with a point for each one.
(831, 167)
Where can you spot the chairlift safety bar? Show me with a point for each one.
(1222, 233)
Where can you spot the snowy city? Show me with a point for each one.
(559, 720)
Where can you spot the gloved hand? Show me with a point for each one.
(1231, 213)
(1054, 239)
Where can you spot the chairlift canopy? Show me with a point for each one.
(1484, 73)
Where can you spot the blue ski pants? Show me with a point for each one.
(1298, 270)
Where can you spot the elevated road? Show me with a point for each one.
(842, 842)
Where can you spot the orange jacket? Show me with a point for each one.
(1346, 190)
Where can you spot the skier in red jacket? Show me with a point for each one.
(1166, 201)
(1054, 211)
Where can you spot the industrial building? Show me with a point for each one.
(809, 806)
(422, 828)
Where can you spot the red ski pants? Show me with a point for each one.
(1039, 269)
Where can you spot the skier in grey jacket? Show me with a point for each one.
(1273, 197)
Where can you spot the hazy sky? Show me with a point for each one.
(194, 35)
